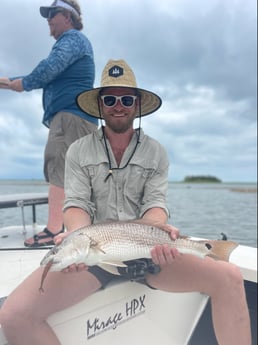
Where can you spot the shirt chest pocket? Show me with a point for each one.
(97, 178)
(134, 185)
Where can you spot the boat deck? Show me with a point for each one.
(151, 318)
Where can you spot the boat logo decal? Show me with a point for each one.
(131, 309)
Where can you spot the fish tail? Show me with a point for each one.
(220, 250)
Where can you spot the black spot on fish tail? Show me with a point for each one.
(208, 246)
(220, 250)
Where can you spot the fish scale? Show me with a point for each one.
(121, 241)
(111, 244)
(128, 240)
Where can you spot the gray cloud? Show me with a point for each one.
(199, 56)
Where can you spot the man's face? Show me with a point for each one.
(58, 22)
(119, 114)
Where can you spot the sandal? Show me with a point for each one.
(47, 234)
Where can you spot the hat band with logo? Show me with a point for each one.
(117, 73)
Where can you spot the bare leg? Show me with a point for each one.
(55, 213)
(55, 208)
(222, 282)
(23, 315)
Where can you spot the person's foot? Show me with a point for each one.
(43, 238)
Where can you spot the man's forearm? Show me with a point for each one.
(75, 218)
(156, 215)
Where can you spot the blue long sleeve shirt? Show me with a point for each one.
(66, 72)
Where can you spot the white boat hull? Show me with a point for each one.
(126, 313)
(130, 313)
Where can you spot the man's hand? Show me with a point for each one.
(171, 229)
(60, 237)
(75, 268)
(4, 83)
(174, 232)
(163, 255)
(16, 85)
(72, 268)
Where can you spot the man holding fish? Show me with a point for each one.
(123, 177)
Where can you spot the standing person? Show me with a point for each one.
(123, 176)
(68, 70)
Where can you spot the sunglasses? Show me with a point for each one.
(53, 13)
(127, 101)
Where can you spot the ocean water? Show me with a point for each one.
(207, 210)
(201, 210)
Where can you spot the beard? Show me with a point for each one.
(119, 126)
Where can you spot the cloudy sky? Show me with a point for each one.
(199, 56)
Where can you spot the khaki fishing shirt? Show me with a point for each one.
(139, 184)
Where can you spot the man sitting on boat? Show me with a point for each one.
(123, 176)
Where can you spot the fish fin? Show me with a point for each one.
(115, 263)
(111, 269)
(184, 237)
(220, 250)
(100, 249)
(44, 274)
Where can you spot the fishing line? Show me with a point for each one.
(137, 131)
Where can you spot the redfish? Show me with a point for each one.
(109, 245)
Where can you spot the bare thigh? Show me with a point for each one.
(189, 273)
(61, 290)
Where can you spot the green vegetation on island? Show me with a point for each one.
(202, 179)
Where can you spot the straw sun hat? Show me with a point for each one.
(117, 74)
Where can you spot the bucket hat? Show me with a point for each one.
(117, 73)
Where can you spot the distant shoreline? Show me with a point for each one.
(244, 190)
(43, 182)
(23, 181)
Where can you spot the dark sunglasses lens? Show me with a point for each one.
(109, 101)
(52, 13)
(127, 101)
